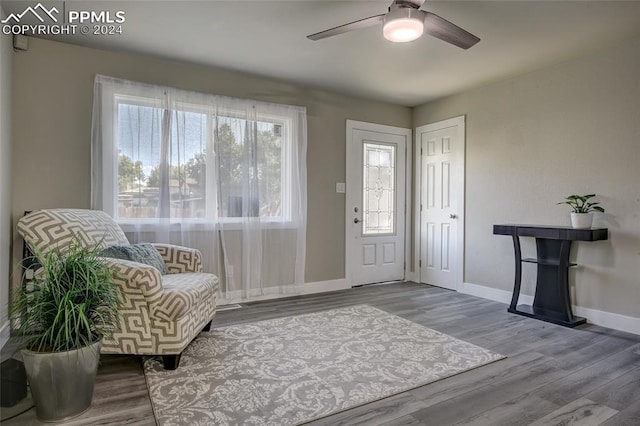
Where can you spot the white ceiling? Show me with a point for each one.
(268, 38)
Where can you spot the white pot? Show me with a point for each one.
(581, 220)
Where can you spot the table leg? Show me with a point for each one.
(518, 278)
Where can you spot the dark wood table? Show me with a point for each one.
(552, 301)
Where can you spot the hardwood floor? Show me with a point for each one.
(553, 375)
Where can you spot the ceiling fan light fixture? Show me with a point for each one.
(403, 25)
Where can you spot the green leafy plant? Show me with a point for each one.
(581, 203)
(71, 302)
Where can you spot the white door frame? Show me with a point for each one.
(361, 125)
(460, 182)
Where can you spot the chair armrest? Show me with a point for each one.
(136, 279)
(180, 259)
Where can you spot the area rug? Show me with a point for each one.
(292, 370)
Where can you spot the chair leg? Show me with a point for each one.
(171, 362)
(208, 326)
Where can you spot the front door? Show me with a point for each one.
(441, 159)
(375, 202)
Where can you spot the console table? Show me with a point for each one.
(552, 301)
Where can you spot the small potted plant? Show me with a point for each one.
(62, 315)
(582, 210)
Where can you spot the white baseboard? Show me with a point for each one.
(493, 294)
(593, 316)
(285, 291)
(609, 319)
(5, 333)
(411, 276)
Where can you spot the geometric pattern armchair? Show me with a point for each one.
(160, 314)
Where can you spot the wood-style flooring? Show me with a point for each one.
(553, 375)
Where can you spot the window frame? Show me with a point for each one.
(140, 96)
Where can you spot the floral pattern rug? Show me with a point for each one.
(291, 370)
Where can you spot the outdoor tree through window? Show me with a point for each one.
(204, 166)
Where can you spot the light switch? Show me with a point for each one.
(340, 187)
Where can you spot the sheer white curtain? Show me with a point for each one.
(224, 175)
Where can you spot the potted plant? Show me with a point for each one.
(582, 210)
(70, 303)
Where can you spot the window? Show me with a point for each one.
(378, 193)
(192, 156)
(222, 175)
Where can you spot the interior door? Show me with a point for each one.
(375, 202)
(441, 159)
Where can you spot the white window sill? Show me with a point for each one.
(200, 226)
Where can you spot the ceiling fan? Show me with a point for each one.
(406, 22)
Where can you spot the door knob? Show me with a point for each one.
(356, 220)
(453, 216)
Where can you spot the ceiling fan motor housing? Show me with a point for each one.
(403, 23)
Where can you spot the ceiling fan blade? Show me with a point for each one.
(356, 25)
(444, 30)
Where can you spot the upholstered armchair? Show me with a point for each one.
(160, 314)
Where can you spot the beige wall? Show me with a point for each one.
(534, 139)
(6, 58)
(53, 85)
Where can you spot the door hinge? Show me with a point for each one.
(420, 207)
(420, 151)
(420, 263)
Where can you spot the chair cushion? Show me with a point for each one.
(142, 253)
(183, 292)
